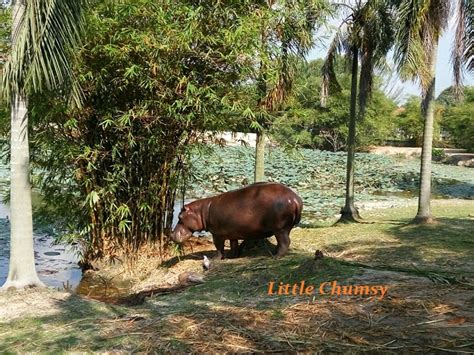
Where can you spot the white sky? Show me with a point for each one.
(444, 74)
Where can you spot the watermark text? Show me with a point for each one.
(332, 288)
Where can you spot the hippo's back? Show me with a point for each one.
(255, 211)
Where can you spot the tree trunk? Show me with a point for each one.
(424, 209)
(22, 272)
(259, 174)
(349, 213)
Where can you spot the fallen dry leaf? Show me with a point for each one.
(457, 320)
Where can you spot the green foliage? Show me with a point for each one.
(447, 97)
(287, 31)
(5, 32)
(154, 75)
(458, 121)
(306, 123)
(438, 154)
(409, 122)
(364, 36)
(419, 25)
(44, 40)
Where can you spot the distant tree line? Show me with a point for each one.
(305, 123)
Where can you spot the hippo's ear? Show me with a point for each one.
(186, 208)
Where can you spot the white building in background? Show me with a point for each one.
(233, 138)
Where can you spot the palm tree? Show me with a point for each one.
(420, 24)
(365, 35)
(287, 35)
(43, 33)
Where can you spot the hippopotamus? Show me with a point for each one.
(256, 211)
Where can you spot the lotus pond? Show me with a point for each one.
(319, 177)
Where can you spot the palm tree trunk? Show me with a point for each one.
(22, 272)
(349, 213)
(424, 209)
(259, 174)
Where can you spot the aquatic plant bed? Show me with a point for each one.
(319, 176)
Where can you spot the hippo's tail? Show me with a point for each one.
(298, 210)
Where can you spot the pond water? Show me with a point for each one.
(56, 264)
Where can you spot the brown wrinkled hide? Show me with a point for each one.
(254, 212)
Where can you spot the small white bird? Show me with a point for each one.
(206, 263)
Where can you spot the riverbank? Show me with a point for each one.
(428, 306)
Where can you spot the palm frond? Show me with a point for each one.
(338, 44)
(408, 52)
(46, 31)
(376, 39)
(419, 25)
(291, 36)
(463, 47)
(284, 83)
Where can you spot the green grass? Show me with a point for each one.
(447, 244)
(234, 294)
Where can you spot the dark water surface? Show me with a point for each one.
(56, 264)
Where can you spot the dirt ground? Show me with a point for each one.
(30, 303)
(415, 316)
(453, 156)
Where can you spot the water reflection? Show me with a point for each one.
(56, 265)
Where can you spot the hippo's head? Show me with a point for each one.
(188, 222)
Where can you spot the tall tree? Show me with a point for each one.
(43, 32)
(170, 70)
(420, 24)
(287, 30)
(365, 35)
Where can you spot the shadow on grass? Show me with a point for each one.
(447, 245)
(231, 312)
(76, 324)
(226, 301)
(448, 241)
(198, 255)
(259, 247)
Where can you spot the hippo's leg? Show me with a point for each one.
(283, 242)
(219, 243)
(234, 248)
